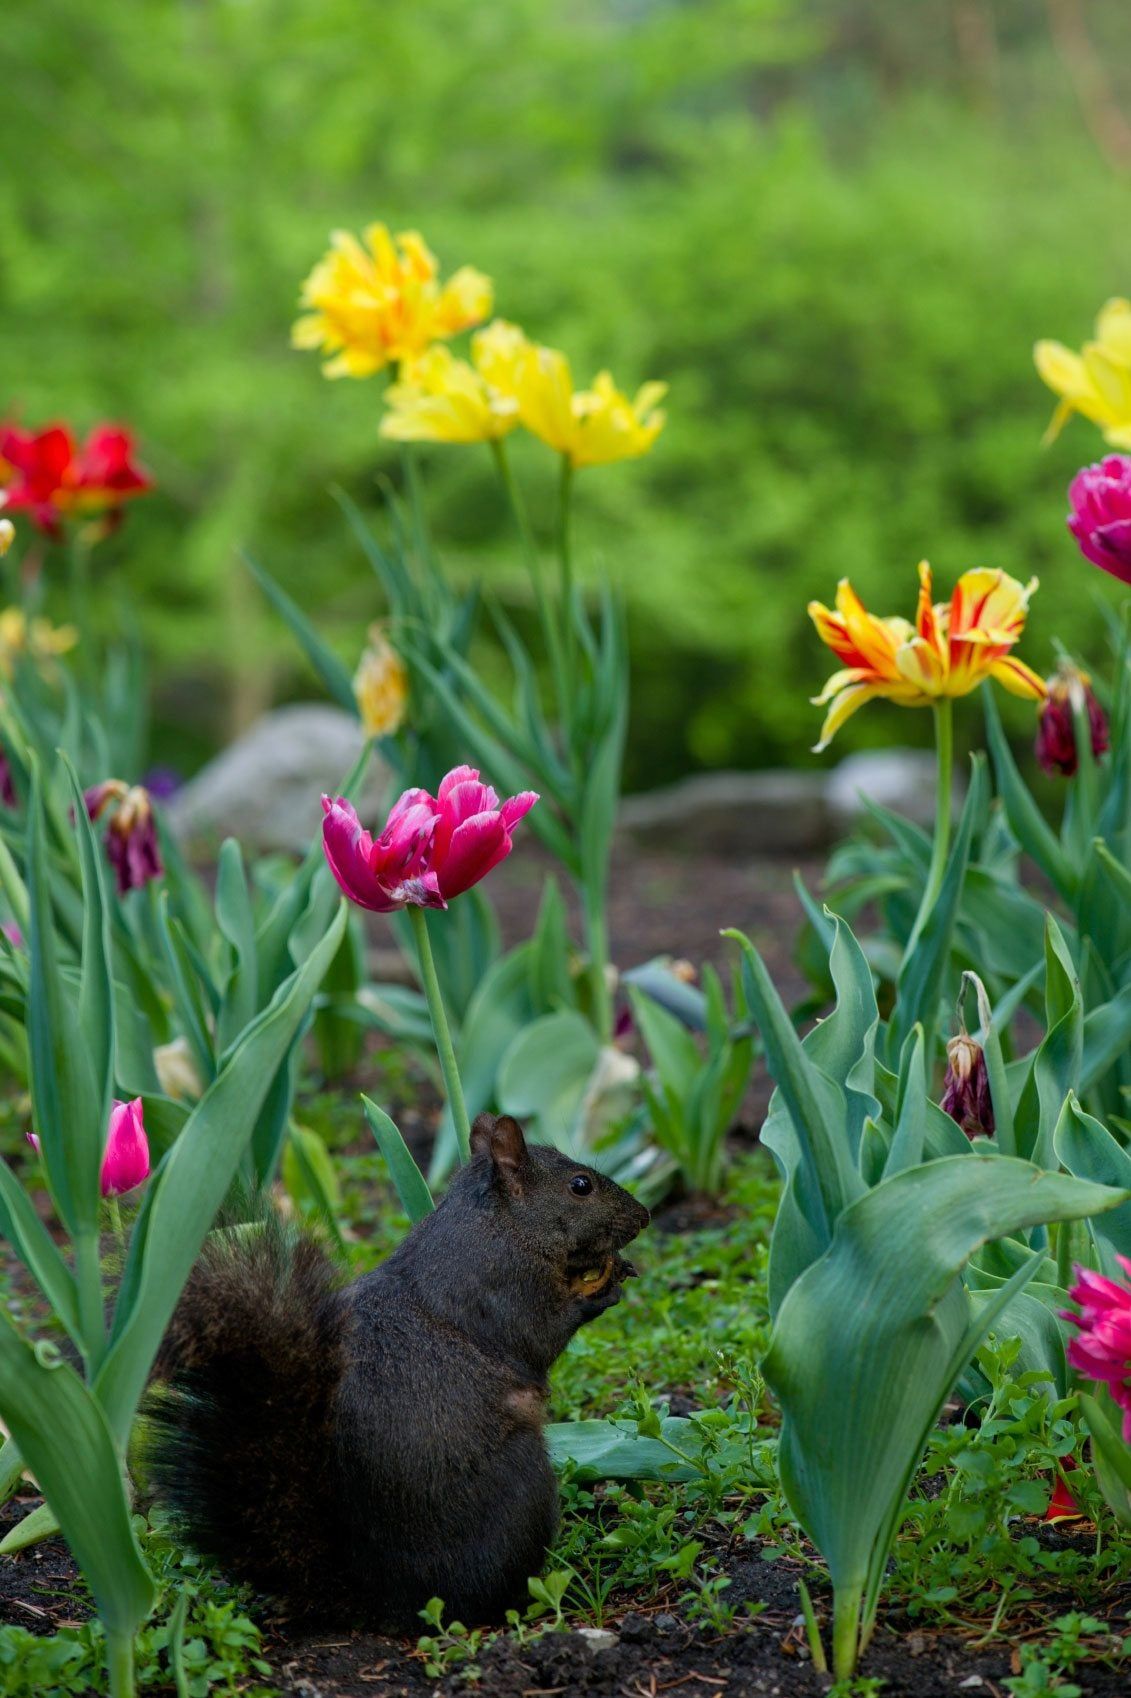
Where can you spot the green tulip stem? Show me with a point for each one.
(944, 749)
(92, 1318)
(597, 938)
(120, 1664)
(441, 1032)
(846, 1630)
(565, 550)
(534, 567)
(79, 597)
(1064, 1254)
(118, 1229)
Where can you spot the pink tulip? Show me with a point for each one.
(125, 1163)
(1100, 519)
(432, 847)
(473, 832)
(391, 872)
(1102, 1349)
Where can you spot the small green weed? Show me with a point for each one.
(221, 1649)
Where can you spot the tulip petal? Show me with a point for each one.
(476, 845)
(921, 664)
(1019, 679)
(848, 702)
(1060, 368)
(517, 807)
(125, 1164)
(349, 853)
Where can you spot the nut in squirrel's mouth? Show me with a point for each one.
(595, 1280)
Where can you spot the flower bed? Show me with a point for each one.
(886, 1368)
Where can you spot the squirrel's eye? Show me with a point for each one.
(581, 1185)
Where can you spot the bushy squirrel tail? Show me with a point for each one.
(241, 1418)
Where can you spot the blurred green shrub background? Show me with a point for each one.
(835, 227)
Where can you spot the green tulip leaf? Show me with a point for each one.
(870, 1339)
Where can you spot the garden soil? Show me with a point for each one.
(651, 1653)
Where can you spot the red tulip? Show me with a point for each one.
(48, 476)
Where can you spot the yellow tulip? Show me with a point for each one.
(35, 637)
(380, 686)
(7, 535)
(590, 426)
(1096, 382)
(949, 651)
(379, 301)
(441, 399)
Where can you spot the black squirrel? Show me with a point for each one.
(356, 1451)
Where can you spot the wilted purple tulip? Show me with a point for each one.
(966, 1088)
(1056, 725)
(1100, 519)
(125, 1162)
(389, 872)
(473, 830)
(131, 834)
(7, 784)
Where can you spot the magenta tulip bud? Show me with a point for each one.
(126, 1162)
(13, 933)
(473, 831)
(131, 834)
(1100, 519)
(966, 1088)
(1056, 724)
(391, 872)
(1102, 1348)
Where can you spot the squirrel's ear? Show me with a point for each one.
(501, 1138)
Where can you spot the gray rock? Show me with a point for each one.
(900, 779)
(734, 813)
(596, 1638)
(265, 788)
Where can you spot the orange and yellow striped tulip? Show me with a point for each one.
(951, 648)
